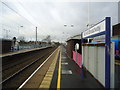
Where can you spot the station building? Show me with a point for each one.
(72, 52)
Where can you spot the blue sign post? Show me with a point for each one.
(102, 28)
(107, 52)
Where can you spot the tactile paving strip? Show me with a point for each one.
(48, 77)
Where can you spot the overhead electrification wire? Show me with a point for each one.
(31, 15)
(16, 12)
(21, 15)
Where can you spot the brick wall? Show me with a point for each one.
(116, 30)
(5, 45)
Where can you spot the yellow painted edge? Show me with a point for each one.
(59, 73)
(117, 63)
(46, 83)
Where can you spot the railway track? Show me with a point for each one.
(12, 60)
(18, 63)
(15, 79)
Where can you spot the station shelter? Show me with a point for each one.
(75, 52)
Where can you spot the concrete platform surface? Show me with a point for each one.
(71, 74)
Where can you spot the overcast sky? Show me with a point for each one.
(51, 16)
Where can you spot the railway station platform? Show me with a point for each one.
(71, 75)
(19, 52)
(54, 70)
(67, 74)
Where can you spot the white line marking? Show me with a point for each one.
(65, 63)
(35, 71)
(66, 72)
(63, 57)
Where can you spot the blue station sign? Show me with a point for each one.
(98, 28)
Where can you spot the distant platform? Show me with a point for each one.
(21, 51)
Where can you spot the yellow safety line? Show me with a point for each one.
(49, 75)
(59, 73)
(117, 63)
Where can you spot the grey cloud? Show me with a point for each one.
(50, 17)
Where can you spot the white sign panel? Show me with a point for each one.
(94, 30)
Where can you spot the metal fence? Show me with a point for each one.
(28, 46)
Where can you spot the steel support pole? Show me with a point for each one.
(107, 52)
(82, 42)
(36, 35)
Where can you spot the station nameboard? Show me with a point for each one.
(98, 28)
(102, 28)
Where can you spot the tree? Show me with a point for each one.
(47, 39)
(21, 38)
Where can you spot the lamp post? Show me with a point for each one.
(6, 32)
(36, 35)
(65, 25)
(19, 29)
